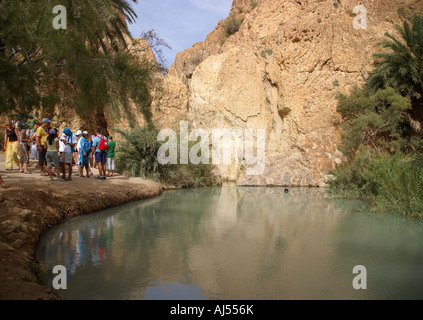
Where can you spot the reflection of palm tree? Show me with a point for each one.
(402, 66)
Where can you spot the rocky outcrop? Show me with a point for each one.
(280, 72)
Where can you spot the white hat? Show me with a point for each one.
(85, 132)
(78, 133)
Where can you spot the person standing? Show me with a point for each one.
(100, 147)
(41, 136)
(52, 145)
(24, 140)
(90, 154)
(19, 119)
(6, 139)
(110, 166)
(69, 140)
(78, 136)
(12, 146)
(94, 165)
(34, 147)
(84, 151)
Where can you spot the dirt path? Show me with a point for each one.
(33, 204)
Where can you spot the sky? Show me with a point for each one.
(180, 23)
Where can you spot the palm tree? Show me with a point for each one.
(108, 18)
(401, 66)
(87, 66)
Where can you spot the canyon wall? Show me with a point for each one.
(280, 72)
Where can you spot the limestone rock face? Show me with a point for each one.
(281, 72)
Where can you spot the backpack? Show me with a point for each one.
(103, 146)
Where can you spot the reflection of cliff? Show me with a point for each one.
(270, 246)
(281, 72)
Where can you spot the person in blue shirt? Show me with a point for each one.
(84, 152)
(100, 151)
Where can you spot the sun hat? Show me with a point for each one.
(52, 131)
(85, 132)
(110, 137)
(78, 133)
(45, 120)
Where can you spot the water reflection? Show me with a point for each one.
(236, 243)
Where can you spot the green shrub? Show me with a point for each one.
(404, 12)
(265, 52)
(349, 12)
(232, 25)
(38, 272)
(391, 182)
(374, 120)
(137, 157)
(398, 180)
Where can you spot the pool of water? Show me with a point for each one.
(239, 244)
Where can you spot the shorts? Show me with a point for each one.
(52, 157)
(110, 165)
(42, 157)
(34, 151)
(66, 157)
(101, 157)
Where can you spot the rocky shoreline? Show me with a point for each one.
(33, 204)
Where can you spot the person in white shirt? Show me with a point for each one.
(78, 135)
(69, 140)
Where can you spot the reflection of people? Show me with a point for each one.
(4, 185)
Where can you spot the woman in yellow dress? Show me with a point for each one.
(12, 147)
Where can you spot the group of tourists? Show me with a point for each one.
(57, 154)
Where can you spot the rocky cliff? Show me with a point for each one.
(281, 72)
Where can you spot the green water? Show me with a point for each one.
(239, 244)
